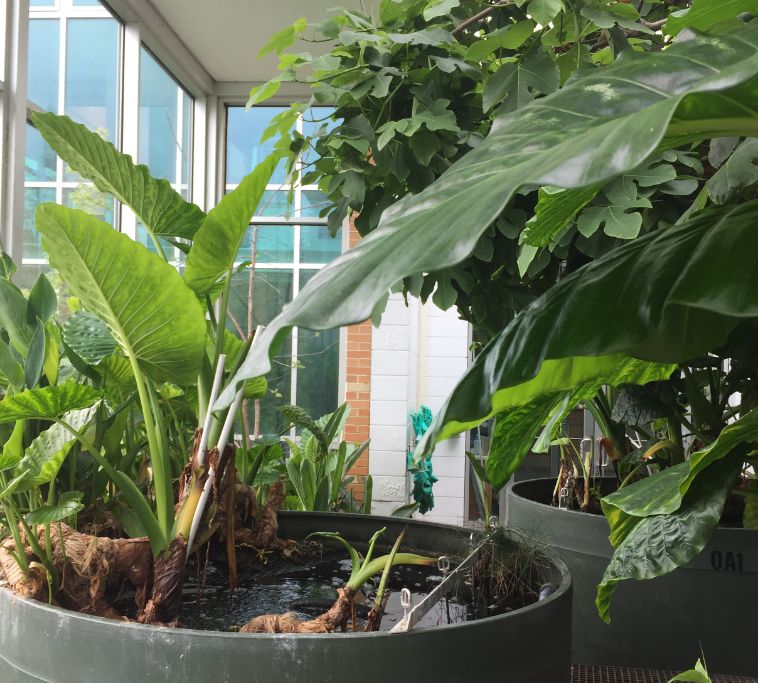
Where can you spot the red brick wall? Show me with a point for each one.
(358, 387)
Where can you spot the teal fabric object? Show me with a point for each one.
(424, 478)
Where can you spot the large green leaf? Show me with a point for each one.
(664, 492)
(157, 205)
(217, 243)
(45, 455)
(738, 172)
(704, 14)
(13, 317)
(47, 403)
(149, 310)
(602, 124)
(88, 336)
(519, 420)
(10, 368)
(671, 295)
(659, 544)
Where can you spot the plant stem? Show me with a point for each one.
(10, 515)
(479, 16)
(713, 128)
(164, 497)
(158, 538)
(157, 244)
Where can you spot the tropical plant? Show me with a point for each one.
(318, 477)
(143, 327)
(362, 570)
(418, 84)
(634, 315)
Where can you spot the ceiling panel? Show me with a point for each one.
(226, 35)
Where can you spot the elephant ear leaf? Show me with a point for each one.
(47, 403)
(151, 313)
(569, 139)
(49, 514)
(45, 455)
(217, 243)
(157, 205)
(88, 337)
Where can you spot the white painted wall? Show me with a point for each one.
(418, 355)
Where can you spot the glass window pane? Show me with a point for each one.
(316, 246)
(165, 128)
(244, 149)
(33, 196)
(44, 39)
(268, 244)
(313, 202)
(92, 74)
(87, 3)
(271, 290)
(39, 159)
(42, 3)
(318, 366)
(274, 203)
(160, 141)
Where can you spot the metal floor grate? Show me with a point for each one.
(611, 674)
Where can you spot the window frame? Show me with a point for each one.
(64, 11)
(296, 265)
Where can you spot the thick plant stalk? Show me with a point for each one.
(223, 439)
(208, 413)
(168, 577)
(201, 450)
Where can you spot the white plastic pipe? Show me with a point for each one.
(200, 509)
(208, 412)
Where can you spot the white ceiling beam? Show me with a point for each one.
(165, 44)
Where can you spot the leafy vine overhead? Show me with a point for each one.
(418, 85)
(597, 130)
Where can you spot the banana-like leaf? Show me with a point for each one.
(602, 124)
(664, 492)
(150, 311)
(217, 242)
(47, 403)
(45, 455)
(664, 298)
(308, 481)
(88, 336)
(659, 544)
(157, 205)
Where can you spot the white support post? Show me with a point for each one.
(199, 151)
(130, 113)
(14, 127)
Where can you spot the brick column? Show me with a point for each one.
(358, 387)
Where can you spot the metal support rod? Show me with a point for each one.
(442, 589)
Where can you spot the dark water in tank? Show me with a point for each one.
(305, 585)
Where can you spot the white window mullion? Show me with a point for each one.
(14, 127)
(130, 113)
(63, 28)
